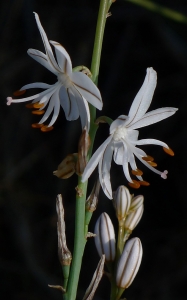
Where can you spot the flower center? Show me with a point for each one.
(64, 80)
(120, 133)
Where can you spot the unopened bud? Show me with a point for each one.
(136, 202)
(122, 202)
(133, 218)
(63, 251)
(83, 147)
(105, 237)
(67, 167)
(129, 263)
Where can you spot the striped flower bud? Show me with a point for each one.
(122, 202)
(133, 218)
(136, 202)
(105, 237)
(129, 263)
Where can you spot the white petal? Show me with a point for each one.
(68, 104)
(49, 109)
(151, 142)
(118, 153)
(153, 116)
(83, 108)
(87, 89)
(132, 135)
(36, 85)
(42, 59)
(143, 99)
(118, 122)
(95, 159)
(48, 49)
(104, 170)
(125, 162)
(56, 107)
(63, 58)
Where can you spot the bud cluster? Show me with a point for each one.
(126, 257)
(129, 209)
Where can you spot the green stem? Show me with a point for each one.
(162, 10)
(80, 240)
(120, 243)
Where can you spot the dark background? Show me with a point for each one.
(134, 40)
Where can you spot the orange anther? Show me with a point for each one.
(168, 151)
(38, 112)
(36, 125)
(46, 128)
(38, 105)
(19, 93)
(148, 158)
(135, 184)
(145, 183)
(137, 172)
(30, 105)
(152, 163)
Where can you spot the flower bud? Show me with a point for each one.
(129, 263)
(67, 167)
(122, 202)
(136, 202)
(133, 218)
(105, 237)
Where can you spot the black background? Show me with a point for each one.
(134, 40)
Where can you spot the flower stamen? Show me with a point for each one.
(137, 172)
(9, 100)
(38, 112)
(29, 105)
(45, 128)
(38, 105)
(144, 183)
(164, 174)
(135, 184)
(152, 163)
(148, 158)
(169, 151)
(19, 93)
(37, 125)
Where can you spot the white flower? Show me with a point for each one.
(123, 139)
(72, 89)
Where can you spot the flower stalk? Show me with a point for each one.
(80, 239)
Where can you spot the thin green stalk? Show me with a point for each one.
(80, 240)
(162, 10)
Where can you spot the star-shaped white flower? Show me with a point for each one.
(72, 89)
(123, 139)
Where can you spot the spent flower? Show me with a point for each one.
(123, 140)
(72, 90)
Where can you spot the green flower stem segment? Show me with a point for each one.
(120, 243)
(162, 10)
(79, 242)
